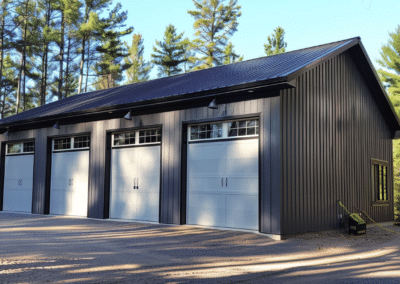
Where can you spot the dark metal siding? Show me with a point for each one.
(331, 128)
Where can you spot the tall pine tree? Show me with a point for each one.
(112, 51)
(214, 23)
(169, 53)
(276, 42)
(390, 77)
(140, 69)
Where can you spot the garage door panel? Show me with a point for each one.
(206, 183)
(135, 185)
(69, 183)
(123, 162)
(59, 199)
(17, 199)
(18, 183)
(223, 183)
(243, 185)
(121, 185)
(242, 211)
(207, 209)
(121, 205)
(147, 205)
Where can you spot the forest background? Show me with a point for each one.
(53, 49)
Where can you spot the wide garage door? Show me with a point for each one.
(18, 177)
(70, 176)
(223, 174)
(135, 175)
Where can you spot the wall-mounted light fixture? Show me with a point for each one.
(56, 126)
(128, 116)
(7, 134)
(213, 104)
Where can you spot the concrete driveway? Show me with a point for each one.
(48, 249)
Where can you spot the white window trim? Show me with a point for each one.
(136, 138)
(22, 149)
(225, 130)
(71, 143)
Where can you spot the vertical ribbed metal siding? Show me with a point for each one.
(331, 128)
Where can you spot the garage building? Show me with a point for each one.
(269, 145)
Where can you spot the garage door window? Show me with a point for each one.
(20, 148)
(71, 143)
(223, 130)
(148, 136)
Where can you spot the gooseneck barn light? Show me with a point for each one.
(7, 134)
(128, 116)
(213, 104)
(56, 126)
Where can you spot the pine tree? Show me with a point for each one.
(112, 51)
(390, 77)
(230, 55)
(8, 88)
(169, 53)
(276, 42)
(140, 69)
(90, 23)
(214, 23)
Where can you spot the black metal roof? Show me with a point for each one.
(265, 70)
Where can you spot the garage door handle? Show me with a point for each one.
(226, 181)
(222, 182)
(137, 183)
(134, 183)
(20, 182)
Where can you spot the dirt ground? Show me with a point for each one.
(49, 249)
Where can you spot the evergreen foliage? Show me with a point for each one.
(230, 55)
(276, 42)
(169, 54)
(140, 69)
(112, 50)
(214, 24)
(390, 77)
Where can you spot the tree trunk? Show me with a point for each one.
(2, 23)
(81, 66)
(60, 79)
(67, 69)
(87, 66)
(19, 85)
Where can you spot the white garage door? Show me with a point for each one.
(223, 174)
(135, 175)
(18, 177)
(70, 176)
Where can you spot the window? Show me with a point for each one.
(149, 136)
(127, 138)
(20, 148)
(224, 130)
(146, 136)
(243, 128)
(206, 131)
(379, 180)
(71, 143)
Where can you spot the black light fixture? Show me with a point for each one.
(128, 116)
(213, 104)
(56, 126)
(7, 134)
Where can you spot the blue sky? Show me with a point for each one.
(306, 23)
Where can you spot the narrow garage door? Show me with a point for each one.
(18, 177)
(135, 175)
(223, 174)
(70, 176)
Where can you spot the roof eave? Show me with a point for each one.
(271, 84)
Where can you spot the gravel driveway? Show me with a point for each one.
(48, 249)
